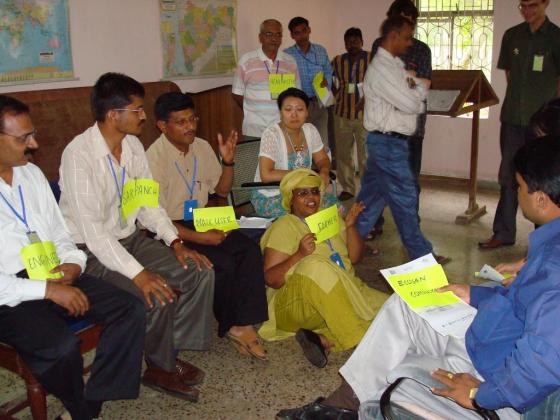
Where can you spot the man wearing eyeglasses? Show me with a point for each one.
(258, 73)
(35, 307)
(97, 170)
(530, 56)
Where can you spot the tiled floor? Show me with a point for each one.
(240, 388)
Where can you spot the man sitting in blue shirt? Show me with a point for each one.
(509, 359)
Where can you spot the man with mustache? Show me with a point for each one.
(33, 311)
(177, 284)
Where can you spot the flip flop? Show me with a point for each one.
(244, 346)
(312, 347)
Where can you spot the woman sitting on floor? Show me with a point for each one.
(325, 304)
(289, 144)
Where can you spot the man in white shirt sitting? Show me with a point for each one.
(33, 311)
(94, 171)
(394, 98)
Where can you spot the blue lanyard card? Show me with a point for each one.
(188, 208)
(337, 259)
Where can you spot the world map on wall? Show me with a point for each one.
(198, 37)
(34, 41)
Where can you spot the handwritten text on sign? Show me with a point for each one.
(39, 259)
(324, 224)
(220, 218)
(139, 193)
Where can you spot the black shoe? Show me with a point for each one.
(312, 347)
(345, 195)
(316, 410)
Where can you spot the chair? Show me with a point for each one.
(246, 161)
(36, 398)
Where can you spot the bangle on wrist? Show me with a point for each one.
(229, 164)
(175, 241)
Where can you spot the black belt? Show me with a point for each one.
(22, 274)
(392, 134)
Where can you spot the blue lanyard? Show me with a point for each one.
(191, 186)
(121, 189)
(22, 217)
(277, 67)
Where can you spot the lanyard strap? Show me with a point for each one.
(121, 188)
(191, 186)
(21, 217)
(328, 241)
(277, 67)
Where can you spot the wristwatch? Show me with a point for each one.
(232, 163)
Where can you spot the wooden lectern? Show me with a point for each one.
(474, 94)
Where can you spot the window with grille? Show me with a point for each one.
(459, 33)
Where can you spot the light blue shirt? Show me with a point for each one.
(310, 64)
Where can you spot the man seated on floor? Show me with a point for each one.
(188, 171)
(175, 282)
(34, 312)
(509, 359)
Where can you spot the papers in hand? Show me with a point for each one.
(323, 93)
(254, 222)
(416, 282)
(441, 100)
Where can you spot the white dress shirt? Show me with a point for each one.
(390, 104)
(43, 217)
(90, 199)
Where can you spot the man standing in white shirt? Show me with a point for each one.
(394, 98)
(256, 72)
(33, 312)
(94, 171)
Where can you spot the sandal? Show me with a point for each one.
(312, 347)
(244, 346)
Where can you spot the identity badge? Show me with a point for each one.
(33, 237)
(351, 88)
(188, 208)
(337, 259)
(538, 62)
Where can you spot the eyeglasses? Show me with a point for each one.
(24, 138)
(138, 110)
(272, 34)
(183, 122)
(304, 192)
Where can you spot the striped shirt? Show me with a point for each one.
(347, 73)
(251, 82)
(90, 199)
(391, 105)
(310, 64)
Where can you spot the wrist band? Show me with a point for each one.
(228, 164)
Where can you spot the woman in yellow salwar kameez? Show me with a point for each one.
(313, 290)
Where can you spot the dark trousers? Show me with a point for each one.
(415, 161)
(38, 331)
(512, 138)
(239, 293)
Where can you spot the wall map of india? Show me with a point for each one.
(198, 37)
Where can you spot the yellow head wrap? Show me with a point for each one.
(298, 178)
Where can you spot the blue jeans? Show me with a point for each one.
(388, 180)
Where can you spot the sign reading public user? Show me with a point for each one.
(220, 218)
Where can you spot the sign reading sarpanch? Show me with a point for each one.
(198, 37)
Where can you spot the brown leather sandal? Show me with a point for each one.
(245, 345)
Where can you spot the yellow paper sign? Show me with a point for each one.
(324, 224)
(321, 91)
(418, 289)
(538, 62)
(39, 259)
(221, 218)
(278, 83)
(139, 193)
